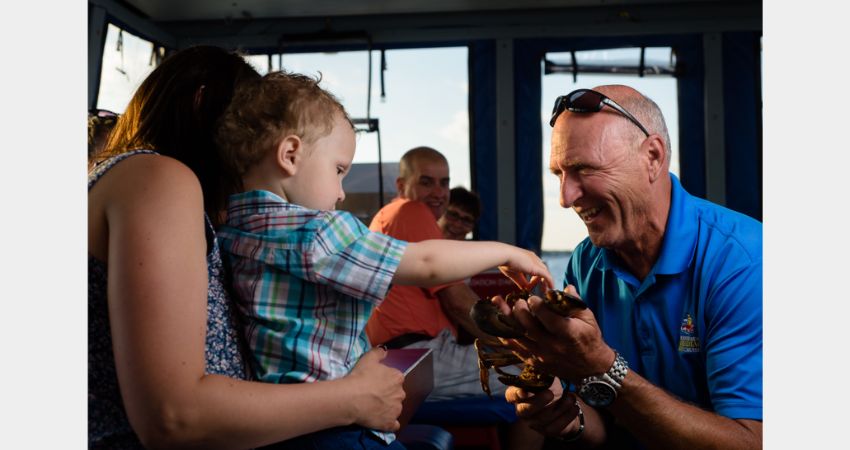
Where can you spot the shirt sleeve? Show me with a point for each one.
(331, 248)
(348, 257)
(734, 343)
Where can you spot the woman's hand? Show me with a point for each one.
(377, 392)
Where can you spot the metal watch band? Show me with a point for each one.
(615, 374)
(619, 369)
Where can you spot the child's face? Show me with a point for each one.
(321, 170)
(456, 223)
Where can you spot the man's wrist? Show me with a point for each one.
(575, 435)
(601, 390)
(609, 360)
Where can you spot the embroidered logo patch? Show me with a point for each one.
(688, 341)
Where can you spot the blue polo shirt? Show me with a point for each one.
(693, 326)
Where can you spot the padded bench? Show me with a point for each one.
(473, 421)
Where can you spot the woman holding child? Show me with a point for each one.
(165, 368)
(307, 277)
(165, 363)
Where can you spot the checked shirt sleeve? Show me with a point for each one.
(331, 248)
(351, 259)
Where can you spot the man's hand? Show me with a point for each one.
(568, 347)
(456, 301)
(550, 413)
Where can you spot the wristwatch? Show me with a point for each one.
(601, 390)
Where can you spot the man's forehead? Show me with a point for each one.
(559, 151)
(431, 168)
(570, 136)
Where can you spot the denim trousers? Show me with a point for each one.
(349, 437)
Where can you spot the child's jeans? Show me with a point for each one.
(350, 437)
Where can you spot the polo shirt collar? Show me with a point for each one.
(680, 236)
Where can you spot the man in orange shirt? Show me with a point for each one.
(415, 317)
(412, 317)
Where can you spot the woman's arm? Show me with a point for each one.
(157, 307)
(438, 261)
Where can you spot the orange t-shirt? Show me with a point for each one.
(407, 309)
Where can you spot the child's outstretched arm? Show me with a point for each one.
(438, 261)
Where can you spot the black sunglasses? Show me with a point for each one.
(462, 219)
(588, 101)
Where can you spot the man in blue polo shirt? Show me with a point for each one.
(669, 355)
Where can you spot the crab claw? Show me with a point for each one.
(490, 320)
(562, 303)
(529, 379)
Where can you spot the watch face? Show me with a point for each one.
(598, 393)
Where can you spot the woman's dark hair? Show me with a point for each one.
(466, 200)
(175, 110)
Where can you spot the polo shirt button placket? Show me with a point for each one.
(643, 330)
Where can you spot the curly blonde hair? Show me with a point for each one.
(262, 113)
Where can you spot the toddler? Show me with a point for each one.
(307, 277)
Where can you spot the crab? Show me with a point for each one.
(493, 355)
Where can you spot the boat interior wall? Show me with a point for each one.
(718, 71)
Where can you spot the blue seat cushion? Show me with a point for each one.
(425, 437)
(466, 411)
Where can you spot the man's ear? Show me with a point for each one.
(289, 154)
(656, 153)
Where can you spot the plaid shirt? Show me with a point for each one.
(306, 283)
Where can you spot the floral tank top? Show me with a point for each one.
(108, 423)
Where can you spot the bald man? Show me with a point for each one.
(669, 354)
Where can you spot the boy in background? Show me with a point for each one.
(462, 213)
(307, 277)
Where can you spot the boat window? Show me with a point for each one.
(127, 61)
(425, 103)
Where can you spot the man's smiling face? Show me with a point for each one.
(428, 183)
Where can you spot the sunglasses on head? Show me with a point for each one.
(588, 101)
(102, 113)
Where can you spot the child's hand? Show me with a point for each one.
(520, 279)
(377, 392)
(522, 262)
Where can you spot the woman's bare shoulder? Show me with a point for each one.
(150, 177)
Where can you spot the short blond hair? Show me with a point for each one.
(263, 113)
